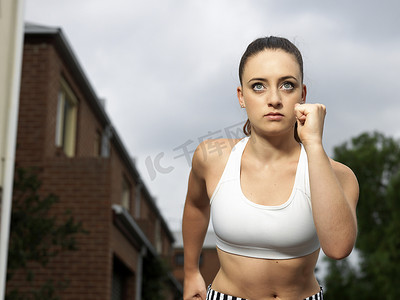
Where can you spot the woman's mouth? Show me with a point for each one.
(274, 116)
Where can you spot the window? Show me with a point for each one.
(138, 197)
(121, 277)
(97, 143)
(117, 291)
(104, 139)
(179, 259)
(158, 237)
(126, 194)
(66, 119)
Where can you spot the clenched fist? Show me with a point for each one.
(310, 122)
(194, 287)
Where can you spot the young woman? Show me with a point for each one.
(275, 197)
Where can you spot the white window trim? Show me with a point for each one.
(68, 141)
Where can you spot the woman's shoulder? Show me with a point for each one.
(345, 175)
(341, 169)
(212, 153)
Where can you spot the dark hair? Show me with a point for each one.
(259, 45)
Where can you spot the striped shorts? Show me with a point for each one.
(214, 295)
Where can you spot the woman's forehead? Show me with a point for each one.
(271, 61)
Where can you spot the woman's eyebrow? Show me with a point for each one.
(266, 80)
(288, 77)
(258, 79)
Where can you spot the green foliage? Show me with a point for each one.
(155, 273)
(46, 291)
(36, 236)
(375, 159)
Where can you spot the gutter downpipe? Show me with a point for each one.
(139, 273)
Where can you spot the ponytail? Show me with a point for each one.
(247, 128)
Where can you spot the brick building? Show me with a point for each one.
(65, 134)
(209, 263)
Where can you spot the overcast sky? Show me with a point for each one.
(168, 70)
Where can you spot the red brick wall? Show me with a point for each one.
(82, 183)
(31, 136)
(86, 184)
(147, 220)
(83, 188)
(42, 71)
(208, 268)
(119, 173)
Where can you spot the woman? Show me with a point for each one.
(274, 201)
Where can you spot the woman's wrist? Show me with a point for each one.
(191, 269)
(191, 274)
(313, 147)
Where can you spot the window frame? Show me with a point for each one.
(66, 119)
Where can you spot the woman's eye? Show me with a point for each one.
(258, 87)
(287, 86)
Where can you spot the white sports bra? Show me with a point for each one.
(245, 228)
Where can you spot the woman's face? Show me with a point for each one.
(271, 86)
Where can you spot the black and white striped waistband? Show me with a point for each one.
(214, 295)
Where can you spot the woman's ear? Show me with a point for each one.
(304, 94)
(240, 96)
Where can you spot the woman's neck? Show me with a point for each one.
(273, 147)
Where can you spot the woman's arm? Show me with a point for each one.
(194, 227)
(334, 187)
(334, 196)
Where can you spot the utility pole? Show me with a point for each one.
(11, 45)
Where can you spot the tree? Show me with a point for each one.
(36, 236)
(375, 159)
(155, 276)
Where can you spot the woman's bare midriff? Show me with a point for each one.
(266, 279)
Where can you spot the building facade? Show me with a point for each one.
(66, 136)
(209, 263)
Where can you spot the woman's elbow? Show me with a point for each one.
(339, 251)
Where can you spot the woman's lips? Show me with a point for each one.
(274, 116)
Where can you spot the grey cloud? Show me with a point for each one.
(168, 69)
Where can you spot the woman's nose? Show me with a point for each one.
(274, 98)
